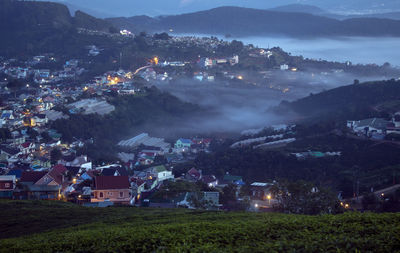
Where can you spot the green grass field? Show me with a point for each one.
(41, 226)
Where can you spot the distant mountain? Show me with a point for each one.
(302, 8)
(389, 15)
(126, 8)
(254, 22)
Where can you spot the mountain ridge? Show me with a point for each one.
(238, 21)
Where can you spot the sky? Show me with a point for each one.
(107, 8)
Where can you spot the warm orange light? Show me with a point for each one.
(240, 77)
(155, 60)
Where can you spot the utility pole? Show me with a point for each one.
(120, 60)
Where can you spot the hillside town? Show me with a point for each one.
(37, 163)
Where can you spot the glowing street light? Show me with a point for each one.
(269, 199)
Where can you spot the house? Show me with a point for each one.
(112, 188)
(261, 191)
(40, 119)
(394, 126)
(211, 199)
(160, 172)
(41, 162)
(27, 148)
(183, 144)
(45, 189)
(114, 171)
(7, 186)
(193, 175)
(369, 126)
(231, 179)
(87, 175)
(396, 119)
(205, 200)
(138, 186)
(7, 153)
(17, 138)
(55, 177)
(210, 180)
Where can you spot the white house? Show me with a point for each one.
(368, 126)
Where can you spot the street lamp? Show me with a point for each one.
(269, 199)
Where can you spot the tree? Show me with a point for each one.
(370, 202)
(55, 155)
(228, 194)
(304, 198)
(5, 134)
(112, 29)
(161, 36)
(15, 85)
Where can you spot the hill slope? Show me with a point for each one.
(127, 229)
(254, 22)
(346, 102)
(30, 26)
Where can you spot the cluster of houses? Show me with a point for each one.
(28, 69)
(80, 182)
(375, 128)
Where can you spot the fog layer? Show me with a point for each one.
(354, 49)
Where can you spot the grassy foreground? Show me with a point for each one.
(40, 226)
